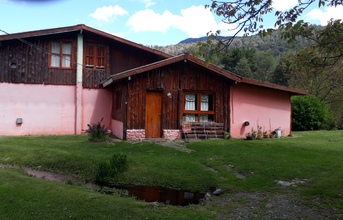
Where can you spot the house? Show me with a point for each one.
(56, 81)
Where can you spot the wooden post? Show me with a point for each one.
(78, 89)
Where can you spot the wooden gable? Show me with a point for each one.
(172, 81)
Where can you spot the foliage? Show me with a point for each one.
(309, 113)
(259, 134)
(247, 15)
(282, 72)
(109, 170)
(318, 67)
(97, 132)
(250, 63)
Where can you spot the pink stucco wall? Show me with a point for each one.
(97, 104)
(265, 107)
(49, 109)
(45, 109)
(117, 128)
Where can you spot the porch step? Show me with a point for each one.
(203, 130)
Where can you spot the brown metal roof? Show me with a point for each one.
(199, 62)
(79, 27)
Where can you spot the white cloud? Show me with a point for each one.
(196, 21)
(323, 16)
(148, 3)
(282, 5)
(148, 20)
(105, 13)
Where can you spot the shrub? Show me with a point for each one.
(108, 171)
(309, 113)
(97, 132)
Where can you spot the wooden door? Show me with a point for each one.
(153, 114)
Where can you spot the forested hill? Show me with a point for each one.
(272, 43)
(199, 39)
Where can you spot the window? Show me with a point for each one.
(61, 54)
(95, 56)
(198, 107)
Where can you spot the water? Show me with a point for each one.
(163, 195)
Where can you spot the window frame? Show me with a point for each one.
(91, 52)
(61, 54)
(198, 112)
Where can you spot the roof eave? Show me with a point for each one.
(293, 91)
(80, 27)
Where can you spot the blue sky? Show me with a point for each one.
(148, 22)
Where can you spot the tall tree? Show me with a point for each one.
(243, 68)
(319, 67)
(248, 15)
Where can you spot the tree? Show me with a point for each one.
(243, 68)
(248, 17)
(282, 72)
(309, 113)
(249, 62)
(264, 64)
(232, 58)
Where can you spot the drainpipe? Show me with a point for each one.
(78, 89)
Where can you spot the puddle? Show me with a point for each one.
(162, 195)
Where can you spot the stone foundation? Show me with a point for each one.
(135, 134)
(139, 134)
(171, 134)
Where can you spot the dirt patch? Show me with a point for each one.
(178, 144)
(51, 176)
(61, 178)
(255, 205)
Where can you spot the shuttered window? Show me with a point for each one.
(94, 56)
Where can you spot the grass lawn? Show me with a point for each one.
(235, 165)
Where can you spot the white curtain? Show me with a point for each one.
(204, 102)
(66, 61)
(55, 59)
(66, 50)
(190, 102)
(189, 118)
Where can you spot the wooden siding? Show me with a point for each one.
(176, 79)
(119, 112)
(29, 59)
(123, 57)
(28, 63)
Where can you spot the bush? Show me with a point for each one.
(309, 113)
(108, 171)
(97, 132)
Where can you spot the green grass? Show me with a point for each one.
(29, 198)
(316, 156)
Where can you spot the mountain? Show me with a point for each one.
(200, 39)
(272, 43)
